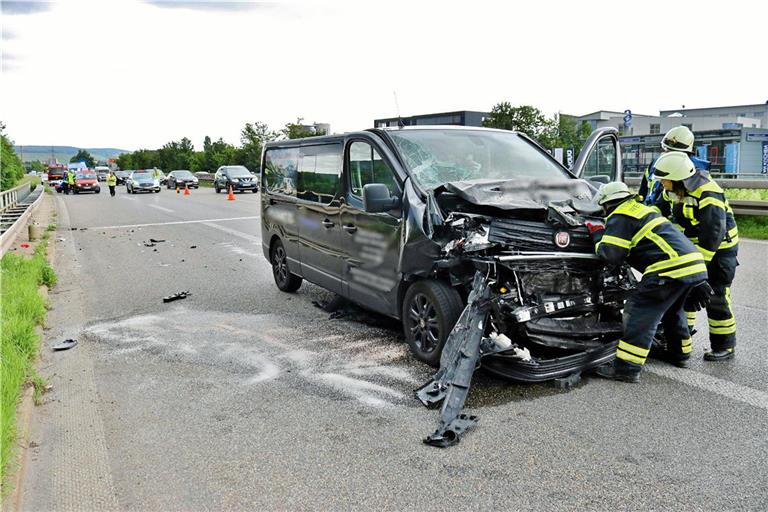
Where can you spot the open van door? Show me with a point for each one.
(600, 159)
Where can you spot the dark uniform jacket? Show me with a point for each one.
(650, 243)
(705, 216)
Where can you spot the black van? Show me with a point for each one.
(399, 220)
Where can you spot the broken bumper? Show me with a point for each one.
(541, 370)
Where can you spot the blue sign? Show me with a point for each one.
(765, 158)
(627, 118)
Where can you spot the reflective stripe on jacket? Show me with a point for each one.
(650, 244)
(706, 217)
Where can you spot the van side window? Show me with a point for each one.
(366, 166)
(319, 171)
(280, 170)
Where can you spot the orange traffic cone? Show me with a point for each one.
(186, 190)
(177, 188)
(231, 196)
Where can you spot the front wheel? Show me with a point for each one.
(284, 280)
(218, 190)
(430, 310)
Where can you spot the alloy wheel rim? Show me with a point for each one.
(281, 268)
(423, 324)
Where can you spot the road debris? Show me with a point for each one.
(65, 345)
(458, 362)
(154, 241)
(193, 247)
(177, 296)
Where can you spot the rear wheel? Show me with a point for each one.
(430, 310)
(284, 280)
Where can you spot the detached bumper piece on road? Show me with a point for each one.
(176, 296)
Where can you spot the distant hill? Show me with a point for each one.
(64, 153)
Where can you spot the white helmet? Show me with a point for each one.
(679, 138)
(611, 192)
(673, 166)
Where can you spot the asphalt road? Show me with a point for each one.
(243, 397)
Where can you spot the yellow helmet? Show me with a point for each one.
(673, 166)
(679, 138)
(611, 192)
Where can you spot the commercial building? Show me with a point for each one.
(733, 138)
(458, 118)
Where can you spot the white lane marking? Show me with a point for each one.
(234, 232)
(200, 221)
(747, 395)
(129, 198)
(161, 208)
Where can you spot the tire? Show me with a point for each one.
(255, 190)
(98, 191)
(157, 191)
(218, 190)
(284, 280)
(430, 310)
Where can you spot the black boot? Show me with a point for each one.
(719, 355)
(610, 371)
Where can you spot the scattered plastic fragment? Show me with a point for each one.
(65, 345)
(156, 241)
(193, 247)
(176, 296)
(25, 246)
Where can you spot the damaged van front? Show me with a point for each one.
(494, 202)
(400, 221)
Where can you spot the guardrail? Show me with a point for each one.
(742, 207)
(723, 182)
(14, 215)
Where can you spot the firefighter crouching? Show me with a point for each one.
(674, 275)
(700, 209)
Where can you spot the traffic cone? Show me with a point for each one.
(177, 188)
(231, 196)
(186, 190)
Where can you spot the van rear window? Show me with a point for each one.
(280, 170)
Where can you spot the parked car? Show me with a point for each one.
(182, 178)
(142, 181)
(236, 176)
(400, 221)
(122, 176)
(86, 182)
(101, 172)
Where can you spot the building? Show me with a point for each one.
(458, 118)
(733, 138)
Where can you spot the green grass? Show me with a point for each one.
(752, 226)
(747, 194)
(23, 309)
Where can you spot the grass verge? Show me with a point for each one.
(752, 226)
(23, 309)
(747, 194)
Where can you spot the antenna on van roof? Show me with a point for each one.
(400, 123)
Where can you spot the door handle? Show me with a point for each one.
(328, 223)
(350, 228)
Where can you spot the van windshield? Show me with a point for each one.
(438, 156)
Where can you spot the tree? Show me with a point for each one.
(11, 168)
(253, 137)
(84, 156)
(525, 119)
(38, 166)
(569, 135)
(125, 161)
(299, 131)
(176, 155)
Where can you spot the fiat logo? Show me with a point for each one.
(562, 239)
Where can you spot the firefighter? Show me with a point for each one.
(674, 275)
(700, 208)
(679, 138)
(111, 183)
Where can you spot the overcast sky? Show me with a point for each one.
(136, 74)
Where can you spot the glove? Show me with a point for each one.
(699, 297)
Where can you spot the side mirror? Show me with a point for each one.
(602, 179)
(377, 199)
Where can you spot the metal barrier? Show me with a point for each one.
(16, 212)
(756, 183)
(741, 207)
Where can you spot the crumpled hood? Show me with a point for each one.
(515, 194)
